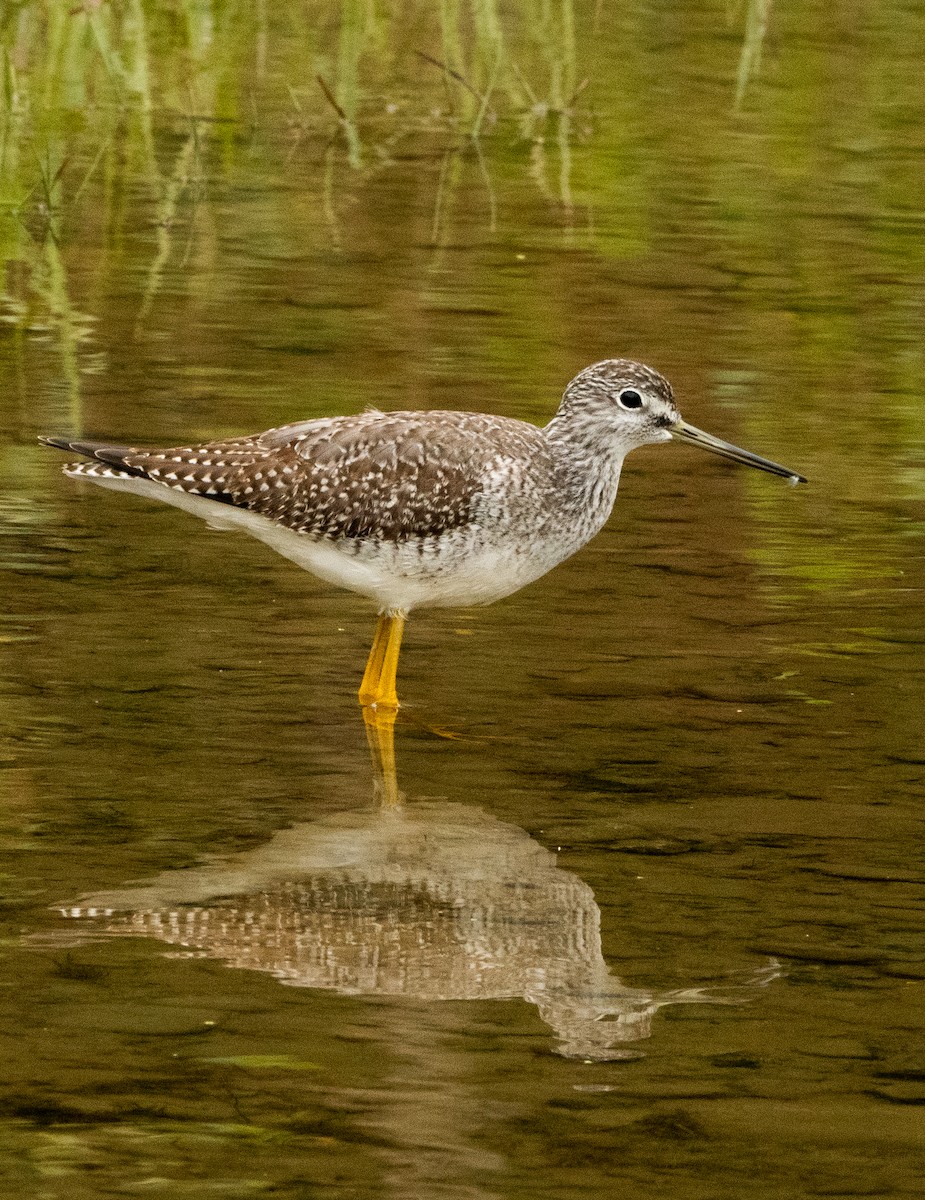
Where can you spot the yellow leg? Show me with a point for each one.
(369, 688)
(378, 687)
(387, 696)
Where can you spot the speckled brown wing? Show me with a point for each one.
(379, 476)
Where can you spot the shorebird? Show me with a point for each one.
(419, 509)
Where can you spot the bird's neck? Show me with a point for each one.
(588, 466)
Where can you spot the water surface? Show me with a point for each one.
(649, 918)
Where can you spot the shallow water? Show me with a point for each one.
(649, 918)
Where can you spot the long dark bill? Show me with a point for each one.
(706, 441)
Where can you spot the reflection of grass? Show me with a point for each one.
(47, 311)
(174, 187)
(82, 83)
(757, 14)
(88, 68)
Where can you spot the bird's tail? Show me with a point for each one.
(101, 452)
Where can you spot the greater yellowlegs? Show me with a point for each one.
(417, 509)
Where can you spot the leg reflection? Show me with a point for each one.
(380, 734)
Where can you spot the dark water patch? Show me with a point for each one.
(733, 1061)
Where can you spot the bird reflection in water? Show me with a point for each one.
(433, 901)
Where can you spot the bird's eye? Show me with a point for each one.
(630, 399)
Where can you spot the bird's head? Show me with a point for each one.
(627, 402)
(623, 404)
